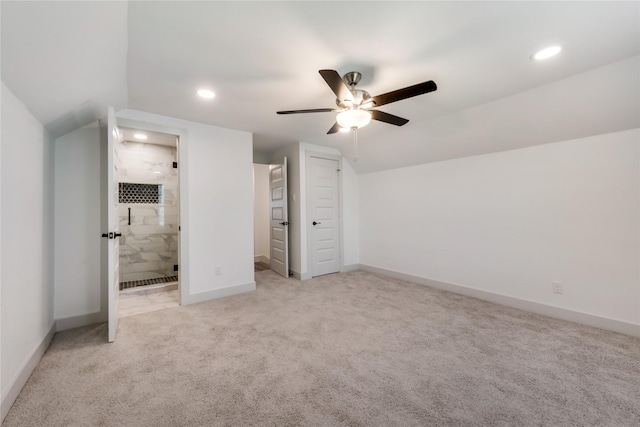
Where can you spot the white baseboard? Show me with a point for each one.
(20, 379)
(300, 276)
(78, 321)
(262, 258)
(521, 304)
(220, 293)
(349, 268)
(307, 276)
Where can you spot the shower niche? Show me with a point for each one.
(148, 196)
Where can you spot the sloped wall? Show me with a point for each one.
(511, 223)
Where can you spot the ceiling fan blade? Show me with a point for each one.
(314, 110)
(336, 84)
(407, 92)
(381, 116)
(335, 128)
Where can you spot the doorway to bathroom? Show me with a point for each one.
(149, 220)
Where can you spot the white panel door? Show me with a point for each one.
(113, 233)
(279, 216)
(325, 216)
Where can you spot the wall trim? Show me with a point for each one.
(78, 321)
(24, 372)
(295, 275)
(262, 258)
(299, 276)
(521, 304)
(220, 293)
(350, 267)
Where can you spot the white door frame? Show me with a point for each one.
(183, 217)
(308, 220)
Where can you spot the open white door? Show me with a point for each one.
(113, 233)
(279, 217)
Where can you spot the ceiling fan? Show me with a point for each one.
(355, 106)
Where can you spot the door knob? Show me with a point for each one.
(316, 223)
(284, 223)
(111, 235)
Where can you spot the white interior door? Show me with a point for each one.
(279, 217)
(325, 216)
(113, 233)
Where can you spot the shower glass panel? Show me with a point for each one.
(148, 214)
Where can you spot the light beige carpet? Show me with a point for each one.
(345, 349)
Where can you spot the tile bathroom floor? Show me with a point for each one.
(148, 298)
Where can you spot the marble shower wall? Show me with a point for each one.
(149, 246)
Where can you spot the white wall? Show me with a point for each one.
(78, 213)
(219, 202)
(510, 223)
(218, 169)
(261, 225)
(26, 272)
(351, 215)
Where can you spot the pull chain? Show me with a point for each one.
(355, 144)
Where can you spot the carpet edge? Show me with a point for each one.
(518, 303)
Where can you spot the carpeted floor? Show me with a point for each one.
(344, 349)
(261, 266)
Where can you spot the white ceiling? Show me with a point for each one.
(155, 138)
(67, 61)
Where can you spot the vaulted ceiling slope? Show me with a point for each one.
(67, 61)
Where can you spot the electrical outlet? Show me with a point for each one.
(218, 270)
(556, 287)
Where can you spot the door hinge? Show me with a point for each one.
(175, 165)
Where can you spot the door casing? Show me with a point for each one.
(183, 217)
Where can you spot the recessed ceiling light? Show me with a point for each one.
(157, 172)
(547, 52)
(205, 93)
(140, 136)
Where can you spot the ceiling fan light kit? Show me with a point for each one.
(353, 118)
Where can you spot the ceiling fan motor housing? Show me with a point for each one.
(352, 78)
(359, 97)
